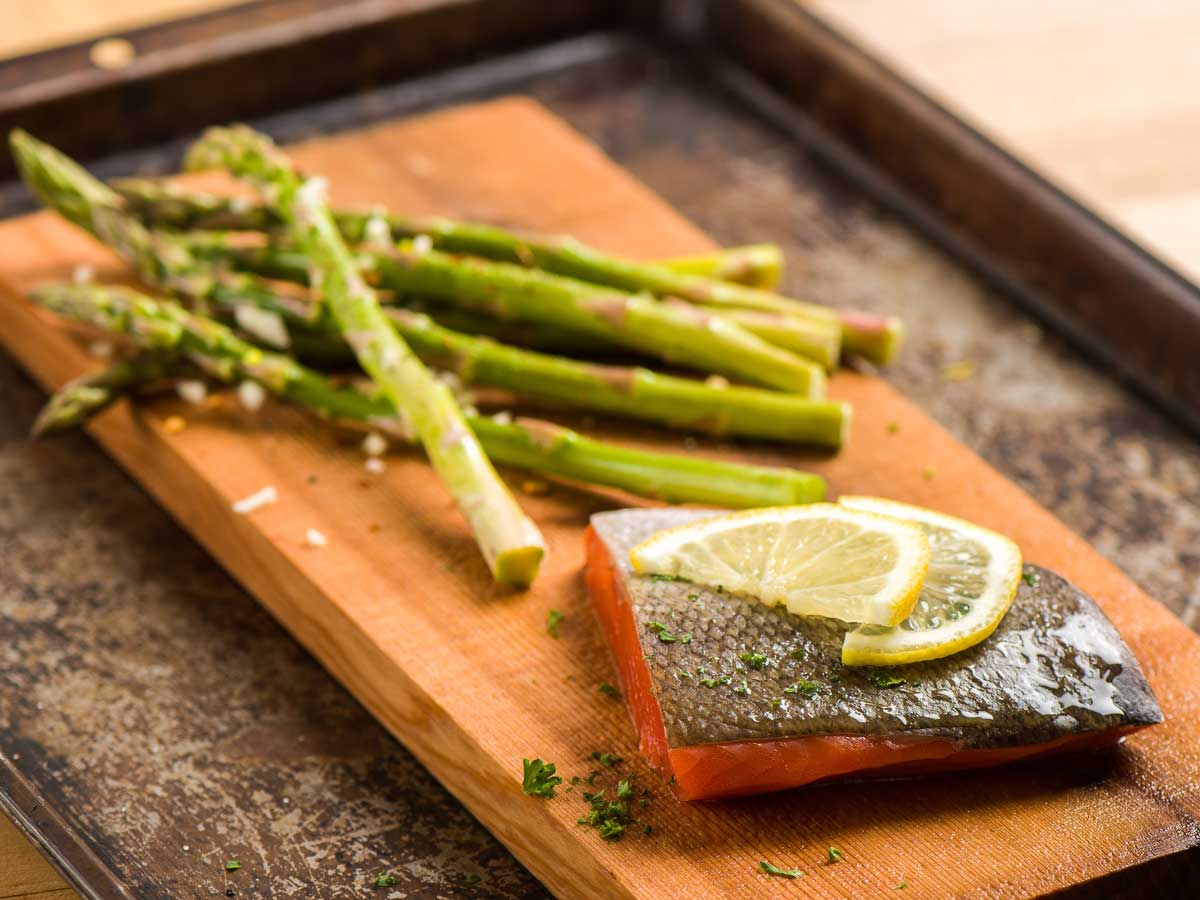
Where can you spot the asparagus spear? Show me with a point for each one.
(80, 399)
(875, 337)
(164, 203)
(676, 333)
(632, 392)
(755, 265)
(509, 540)
(819, 341)
(162, 260)
(525, 444)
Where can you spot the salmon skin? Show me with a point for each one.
(731, 697)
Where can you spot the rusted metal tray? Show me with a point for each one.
(142, 712)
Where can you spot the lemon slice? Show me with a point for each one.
(816, 560)
(972, 579)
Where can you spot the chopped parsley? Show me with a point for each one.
(605, 759)
(539, 779)
(754, 660)
(776, 703)
(805, 687)
(385, 879)
(666, 636)
(743, 688)
(611, 829)
(608, 690)
(882, 679)
(708, 682)
(901, 886)
(232, 866)
(834, 855)
(770, 869)
(693, 597)
(1030, 578)
(471, 879)
(553, 618)
(608, 816)
(659, 577)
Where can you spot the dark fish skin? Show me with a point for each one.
(1054, 667)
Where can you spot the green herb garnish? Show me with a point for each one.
(608, 690)
(693, 597)
(743, 688)
(882, 679)
(232, 866)
(709, 682)
(770, 869)
(666, 636)
(659, 577)
(471, 879)
(805, 687)
(754, 660)
(611, 829)
(539, 779)
(834, 855)
(606, 759)
(901, 886)
(385, 879)
(1030, 578)
(553, 618)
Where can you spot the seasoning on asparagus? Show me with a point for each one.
(632, 392)
(875, 337)
(509, 540)
(166, 327)
(677, 333)
(166, 203)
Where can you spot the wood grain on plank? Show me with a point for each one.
(23, 871)
(399, 606)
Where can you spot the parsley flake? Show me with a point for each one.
(608, 690)
(666, 636)
(606, 759)
(882, 679)
(553, 618)
(471, 879)
(385, 879)
(660, 577)
(232, 866)
(770, 869)
(754, 660)
(805, 687)
(1030, 578)
(539, 779)
(834, 855)
(743, 688)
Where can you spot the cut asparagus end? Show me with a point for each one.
(755, 265)
(518, 567)
(876, 338)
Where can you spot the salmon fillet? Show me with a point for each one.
(1054, 677)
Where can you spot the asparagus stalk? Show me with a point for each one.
(875, 337)
(509, 540)
(819, 341)
(160, 259)
(632, 392)
(755, 265)
(163, 203)
(525, 444)
(677, 333)
(80, 399)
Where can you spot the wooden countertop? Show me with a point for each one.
(1098, 97)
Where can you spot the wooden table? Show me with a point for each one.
(1092, 96)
